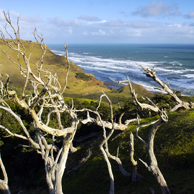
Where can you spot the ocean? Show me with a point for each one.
(173, 63)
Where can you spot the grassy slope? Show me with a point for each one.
(51, 62)
(174, 147)
(76, 87)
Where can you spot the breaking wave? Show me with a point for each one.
(112, 68)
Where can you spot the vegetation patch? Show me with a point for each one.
(83, 76)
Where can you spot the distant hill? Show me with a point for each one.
(76, 84)
(140, 90)
(79, 83)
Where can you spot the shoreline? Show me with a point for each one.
(110, 64)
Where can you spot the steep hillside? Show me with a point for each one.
(80, 84)
(76, 84)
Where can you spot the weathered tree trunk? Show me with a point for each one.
(4, 187)
(153, 167)
(4, 183)
(180, 104)
(160, 178)
(109, 170)
(135, 176)
(153, 161)
(61, 168)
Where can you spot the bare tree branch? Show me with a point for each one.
(152, 74)
(153, 166)
(46, 95)
(68, 68)
(4, 183)
(106, 124)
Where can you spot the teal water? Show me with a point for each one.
(113, 62)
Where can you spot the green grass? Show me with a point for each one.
(174, 149)
(79, 85)
(174, 142)
(52, 62)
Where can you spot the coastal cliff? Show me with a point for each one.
(79, 82)
(52, 62)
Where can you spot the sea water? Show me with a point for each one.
(173, 63)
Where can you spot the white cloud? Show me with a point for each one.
(22, 18)
(59, 22)
(133, 24)
(88, 18)
(115, 23)
(1, 15)
(97, 22)
(93, 29)
(158, 8)
(99, 33)
(70, 31)
(139, 24)
(102, 32)
(85, 33)
(31, 19)
(133, 33)
(190, 15)
(15, 14)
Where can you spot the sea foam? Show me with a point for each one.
(110, 64)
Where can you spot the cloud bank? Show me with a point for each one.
(158, 8)
(156, 22)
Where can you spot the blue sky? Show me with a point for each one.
(103, 21)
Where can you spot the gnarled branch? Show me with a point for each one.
(180, 104)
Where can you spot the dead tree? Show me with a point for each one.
(103, 144)
(105, 149)
(111, 127)
(4, 183)
(47, 94)
(153, 167)
(140, 106)
(135, 175)
(117, 126)
(149, 72)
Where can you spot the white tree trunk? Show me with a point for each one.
(4, 187)
(160, 179)
(61, 168)
(4, 183)
(153, 167)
